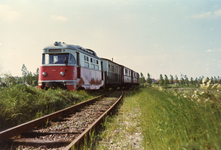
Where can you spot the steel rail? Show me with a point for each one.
(83, 134)
(17, 130)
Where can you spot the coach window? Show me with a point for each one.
(96, 61)
(126, 72)
(109, 67)
(112, 68)
(116, 69)
(96, 67)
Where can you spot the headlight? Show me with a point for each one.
(62, 74)
(44, 74)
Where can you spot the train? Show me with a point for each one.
(73, 67)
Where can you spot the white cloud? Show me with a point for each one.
(203, 15)
(58, 18)
(209, 14)
(214, 50)
(217, 13)
(7, 14)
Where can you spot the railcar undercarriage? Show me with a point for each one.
(54, 85)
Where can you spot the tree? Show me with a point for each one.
(196, 82)
(212, 81)
(182, 81)
(166, 81)
(161, 80)
(200, 80)
(9, 79)
(29, 78)
(24, 72)
(219, 81)
(142, 79)
(149, 79)
(215, 80)
(177, 81)
(35, 78)
(171, 79)
(191, 81)
(186, 80)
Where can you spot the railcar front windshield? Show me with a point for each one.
(57, 58)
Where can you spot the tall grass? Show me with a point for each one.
(176, 122)
(19, 103)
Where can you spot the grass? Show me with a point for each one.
(19, 103)
(171, 121)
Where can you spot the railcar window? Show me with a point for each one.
(57, 58)
(71, 59)
(92, 66)
(96, 61)
(96, 67)
(85, 58)
(43, 58)
(86, 64)
(92, 60)
(112, 68)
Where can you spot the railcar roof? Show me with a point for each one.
(112, 61)
(59, 45)
(117, 64)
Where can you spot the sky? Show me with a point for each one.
(171, 37)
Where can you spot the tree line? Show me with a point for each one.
(28, 77)
(183, 81)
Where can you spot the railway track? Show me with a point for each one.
(60, 130)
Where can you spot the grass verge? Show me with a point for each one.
(19, 103)
(176, 122)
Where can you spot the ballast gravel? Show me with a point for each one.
(126, 135)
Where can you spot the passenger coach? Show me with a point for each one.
(112, 73)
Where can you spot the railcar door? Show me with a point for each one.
(78, 68)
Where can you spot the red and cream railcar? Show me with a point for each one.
(70, 67)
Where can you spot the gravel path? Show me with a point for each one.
(123, 132)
